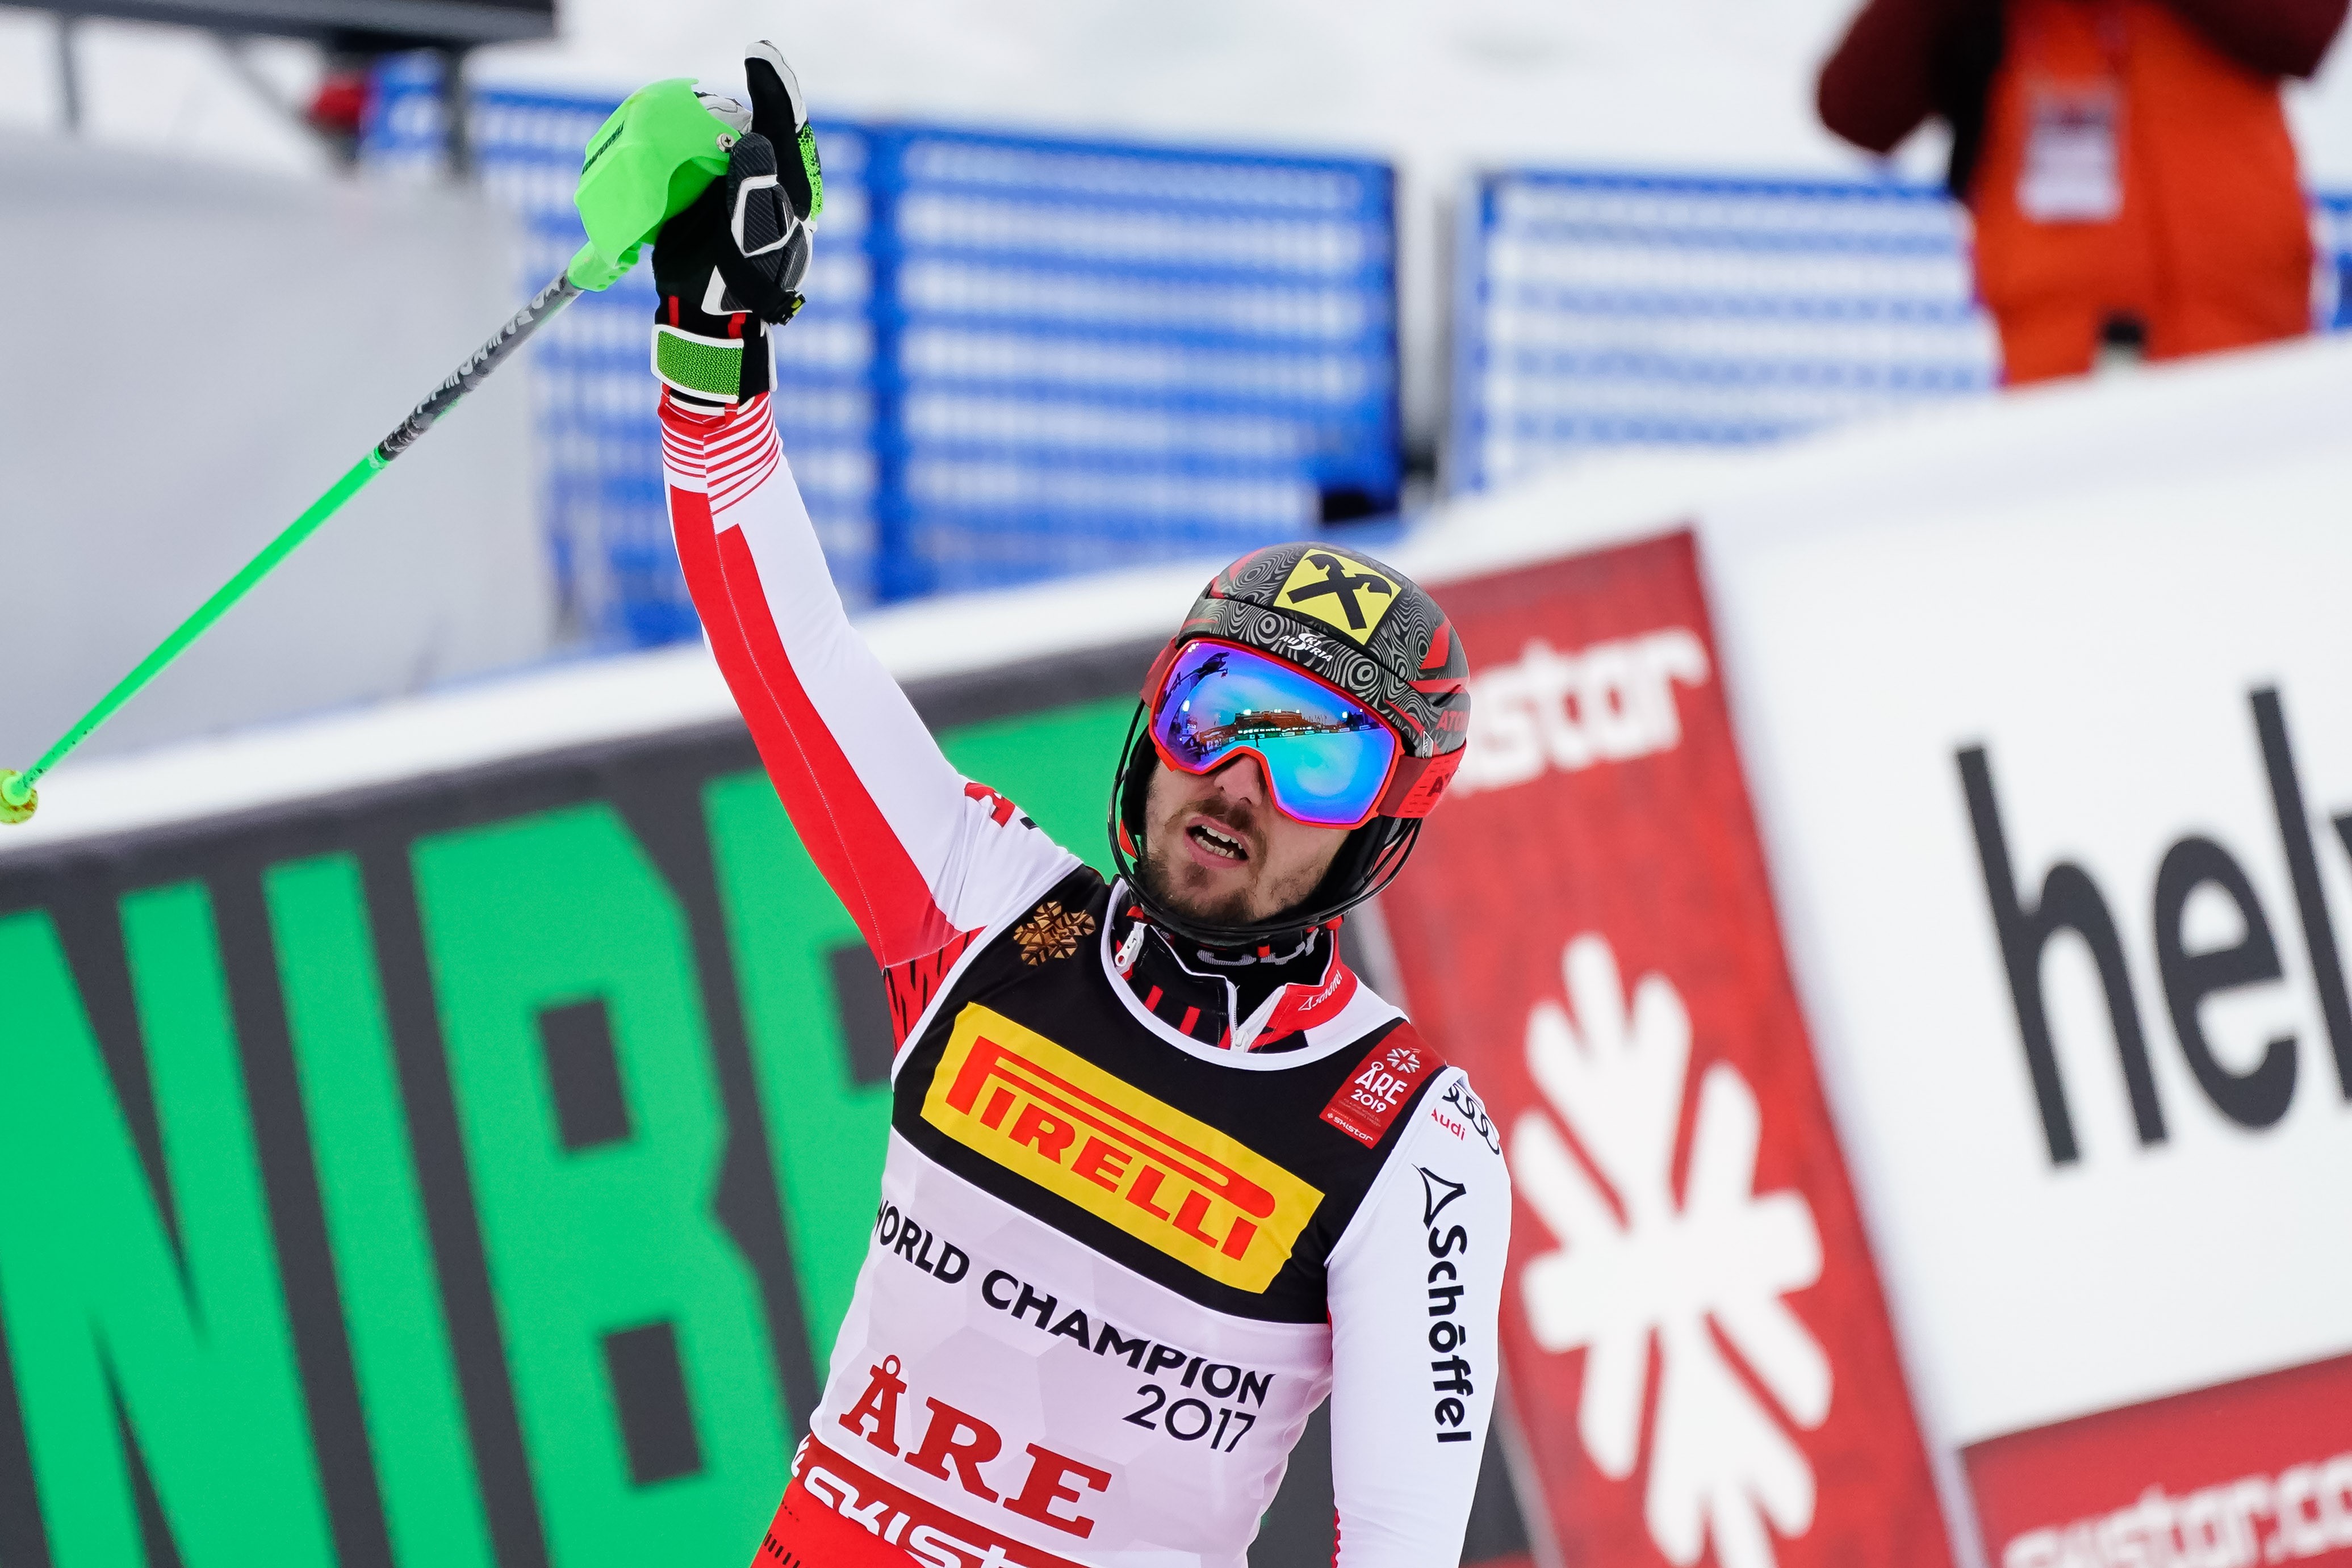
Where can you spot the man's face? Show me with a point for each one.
(1217, 851)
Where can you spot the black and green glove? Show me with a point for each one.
(728, 195)
(729, 264)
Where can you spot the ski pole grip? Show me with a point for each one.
(551, 298)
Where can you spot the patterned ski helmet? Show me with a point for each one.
(1362, 626)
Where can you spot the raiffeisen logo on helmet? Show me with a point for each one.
(1166, 1179)
(1340, 591)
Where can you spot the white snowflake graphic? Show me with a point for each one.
(1719, 1464)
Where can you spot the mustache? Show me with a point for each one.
(1238, 815)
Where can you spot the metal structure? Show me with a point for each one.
(1020, 356)
(387, 24)
(351, 33)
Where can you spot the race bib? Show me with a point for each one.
(2073, 171)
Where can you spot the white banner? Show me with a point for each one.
(2047, 708)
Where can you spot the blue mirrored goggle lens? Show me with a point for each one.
(1326, 755)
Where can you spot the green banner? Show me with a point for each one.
(473, 1173)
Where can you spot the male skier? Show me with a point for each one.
(1163, 1173)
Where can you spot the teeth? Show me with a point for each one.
(1218, 841)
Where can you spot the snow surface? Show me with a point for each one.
(1505, 80)
(1679, 84)
(557, 708)
(1443, 90)
(2191, 426)
(1705, 84)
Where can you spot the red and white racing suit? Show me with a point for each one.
(1125, 1242)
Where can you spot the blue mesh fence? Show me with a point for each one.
(1600, 310)
(2332, 228)
(1020, 356)
(1604, 310)
(1093, 353)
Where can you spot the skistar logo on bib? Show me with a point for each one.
(1170, 1181)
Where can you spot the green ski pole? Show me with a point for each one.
(19, 798)
(657, 153)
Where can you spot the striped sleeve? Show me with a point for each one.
(923, 861)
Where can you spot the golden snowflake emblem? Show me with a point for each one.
(1052, 932)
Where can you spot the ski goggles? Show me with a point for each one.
(1327, 757)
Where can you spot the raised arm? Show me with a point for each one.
(916, 854)
(922, 859)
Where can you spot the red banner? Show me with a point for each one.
(2253, 1473)
(1698, 1354)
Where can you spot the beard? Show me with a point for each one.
(1175, 880)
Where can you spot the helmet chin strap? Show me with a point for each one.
(1244, 957)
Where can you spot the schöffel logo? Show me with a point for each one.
(1163, 1178)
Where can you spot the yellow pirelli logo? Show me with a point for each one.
(1116, 1152)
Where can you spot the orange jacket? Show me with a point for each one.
(2210, 246)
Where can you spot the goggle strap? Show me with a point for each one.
(1418, 784)
(1154, 678)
